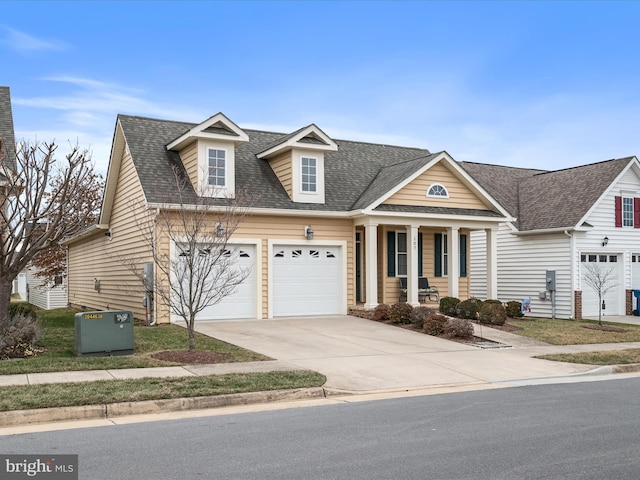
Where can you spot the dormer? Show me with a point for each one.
(208, 153)
(298, 161)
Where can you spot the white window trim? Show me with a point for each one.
(208, 160)
(315, 175)
(203, 188)
(397, 253)
(445, 255)
(433, 185)
(626, 198)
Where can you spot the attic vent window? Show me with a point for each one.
(437, 190)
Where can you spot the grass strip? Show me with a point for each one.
(112, 391)
(571, 332)
(615, 357)
(59, 341)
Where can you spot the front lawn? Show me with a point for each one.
(570, 332)
(59, 342)
(615, 357)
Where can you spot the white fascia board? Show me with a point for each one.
(113, 172)
(88, 232)
(292, 142)
(439, 217)
(632, 163)
(197, 132)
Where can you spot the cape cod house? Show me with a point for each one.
(564, 220)
(377, 212)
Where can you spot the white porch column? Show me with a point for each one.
(371, 275)
(412, 266)
(453, 261)
(492, 263)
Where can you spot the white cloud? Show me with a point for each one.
(25, 43)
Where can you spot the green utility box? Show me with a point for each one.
(103, 334)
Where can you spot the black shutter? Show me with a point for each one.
(391, 254)
(437, 242)
(463, 254)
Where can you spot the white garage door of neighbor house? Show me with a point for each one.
(635, 272)
(307, 280)
(241, 303)
(590, 296)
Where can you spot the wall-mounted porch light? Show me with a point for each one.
(219, 230)
(308, 232)
(605, 241)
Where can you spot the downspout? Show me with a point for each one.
(572, 276)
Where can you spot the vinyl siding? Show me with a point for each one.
(522, 265)
(100, 257)
(43, 296)
(415, 193)
(189, 157)
(283, 168)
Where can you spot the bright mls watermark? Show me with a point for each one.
(51, 467)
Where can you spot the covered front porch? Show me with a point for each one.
(388, 249)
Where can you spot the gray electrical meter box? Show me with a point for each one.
(551, 280)
(104, 333)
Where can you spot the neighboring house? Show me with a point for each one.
(44, 295)
(377, 212)
(7, 137)
(564, 220)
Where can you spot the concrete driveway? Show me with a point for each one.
(362, 355)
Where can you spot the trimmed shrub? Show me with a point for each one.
(434, 324)
(514, 309)
(469, 309)
(381, 312)
(497, 302)
(448, 305)
(492, 314)
(419, 315)
(400, 312)
(458, 328)
(19, 338)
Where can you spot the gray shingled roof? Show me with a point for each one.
(359, 172)
(547, 199)
(6, 128)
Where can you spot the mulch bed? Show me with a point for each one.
(189, 357)
(605, 328)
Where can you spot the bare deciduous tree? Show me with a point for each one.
(195, 269)
(37, 199)
(601, 280)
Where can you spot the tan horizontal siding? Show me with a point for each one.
(189, 157)
(103, 258)
(415, 193)
(282, 166)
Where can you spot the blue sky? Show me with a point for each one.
(534, 84)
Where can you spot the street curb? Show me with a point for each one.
(112, 410)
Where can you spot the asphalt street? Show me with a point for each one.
(587, 430)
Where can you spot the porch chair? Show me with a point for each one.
(424, 290)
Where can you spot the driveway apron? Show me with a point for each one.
(362, 355)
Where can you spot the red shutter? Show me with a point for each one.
(636, 213)
(618, 211)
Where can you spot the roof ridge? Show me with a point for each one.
(575, 167)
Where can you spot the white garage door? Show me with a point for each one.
(635, 272)
(307, 280)
(241, 303)
(606, 263)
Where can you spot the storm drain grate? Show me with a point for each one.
(490, 345)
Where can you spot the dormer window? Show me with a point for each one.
(309, 171)
(217, 167)
(437, 190)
